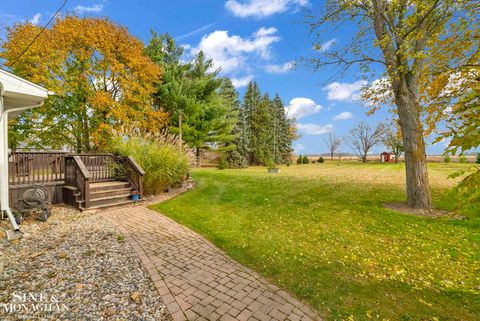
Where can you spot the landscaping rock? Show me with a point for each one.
(136, 297)
(79, 262)
(110, 312)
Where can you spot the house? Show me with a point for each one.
(16, 96)
(386, 157)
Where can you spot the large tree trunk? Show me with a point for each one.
(418, 188)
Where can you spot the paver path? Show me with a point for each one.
(195, 279)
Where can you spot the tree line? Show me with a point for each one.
(363, 137)
(104, 79)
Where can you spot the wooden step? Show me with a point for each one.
(110, 199)
(112, 192)
(109, 185)
(108, 206)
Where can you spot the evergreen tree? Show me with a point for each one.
(211, 122)
(172, 93)
(268, 128)
(282, 139)
(236, 151)
(192, 91)
(251, 101)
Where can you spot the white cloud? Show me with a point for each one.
(344, 91)
(96, 8)
(343, 116)
(36, 19)
(280, 69)
(230, 53)
(326, 45)
(314, 129)
(241, 82)
(261, 8)
(300, 107)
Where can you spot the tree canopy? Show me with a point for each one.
(100, 76)
(400, 37)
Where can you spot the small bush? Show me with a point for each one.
(305, 160)
(462, 159)
(162, 157)
(447, 159)
(320, 160)
(299, 159)
(236, 160)
(478, 158)
(222, 162)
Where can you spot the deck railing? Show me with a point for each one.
(77, 175)
(102, 167)
(78, 170)
(25, 168)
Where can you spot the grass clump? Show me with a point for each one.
(163, 158)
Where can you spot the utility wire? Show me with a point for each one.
(38, 35)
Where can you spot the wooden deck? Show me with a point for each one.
(83, 173)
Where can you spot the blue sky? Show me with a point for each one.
(250, 40)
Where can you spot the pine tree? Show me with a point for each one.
(172, 93)
(251, 101)
(211, 122)
(192, 90)
(269, 130)
(236, 151)
(282, 134)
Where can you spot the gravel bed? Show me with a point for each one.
(78, 267)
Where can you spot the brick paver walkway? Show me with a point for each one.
(195, 279)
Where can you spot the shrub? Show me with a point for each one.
(236, 160)
(299, 159)
(447, 159)
(162, 157)
(222, 162)
(462, 159)
(320, 160)
(478, 158)
(305, 160)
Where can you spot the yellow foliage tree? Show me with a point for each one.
(100, 75)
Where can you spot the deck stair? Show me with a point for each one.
(104, 195)
(92, 182)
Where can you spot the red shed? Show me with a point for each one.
(387, 157)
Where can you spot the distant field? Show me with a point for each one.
(376, 158)
(321, 232)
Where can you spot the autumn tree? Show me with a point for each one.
(363, 138)
(399, 36)
(332, 143)
(393, 141)
(100, 76)
(452, 94)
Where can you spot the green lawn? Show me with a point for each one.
(321, 232)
